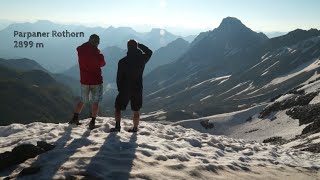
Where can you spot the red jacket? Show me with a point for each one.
(90, 63)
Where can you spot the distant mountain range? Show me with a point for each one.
(4, 23)
(167, 54)
(22, 64)
(59, 54)
(231, 68)
(164, 55)
(31, 93)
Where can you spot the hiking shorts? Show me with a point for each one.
(123, 99)
(91, 93)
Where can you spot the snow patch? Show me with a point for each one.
(240, 84)
(285, 97)
(210, 80)
(263, 60)
(271, 66)
(206, 98)
(155, 113)
(156, 151)
(264, 73)
(309, 66)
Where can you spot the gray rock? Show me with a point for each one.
(21, 153)
(277, 140)
(206, 124)
(315, 148)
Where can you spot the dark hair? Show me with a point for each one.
(132, 44)
(94, 36)
(94, 39)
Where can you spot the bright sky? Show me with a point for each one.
(188, 15)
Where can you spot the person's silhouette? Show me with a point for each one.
(129, 82)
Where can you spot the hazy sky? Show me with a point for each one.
(191, 15)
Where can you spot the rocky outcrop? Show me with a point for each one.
(299, 100)
(312, 128)
(317, 79)
(306, 115)
(315, 148)
(253, 130)
(277, 140)
(292, 91)
(23, 152)
(296, 90)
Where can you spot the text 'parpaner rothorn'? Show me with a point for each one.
(63, 34)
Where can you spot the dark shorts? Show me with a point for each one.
(123, 99)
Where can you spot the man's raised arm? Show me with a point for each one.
(146, 50)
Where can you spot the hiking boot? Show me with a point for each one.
(75, 120)
(115, 129)
(92, 124)
(133, 130)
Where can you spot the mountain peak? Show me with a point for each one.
(44, 22)
(230, 23)
(155, 30)
(231, 20)
(179, 43)
(179, 40)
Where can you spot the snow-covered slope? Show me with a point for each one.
(156, 152)
(293, 116)
(238, 125)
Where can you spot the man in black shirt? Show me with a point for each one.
(129, 82)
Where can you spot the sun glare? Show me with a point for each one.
(162, 32)
(163, 3)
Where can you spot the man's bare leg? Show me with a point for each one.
(136, 118)
(117, 115)
(95, 109)
(79, 107)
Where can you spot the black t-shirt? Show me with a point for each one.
(130, 69)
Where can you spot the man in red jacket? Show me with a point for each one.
(90, 63)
